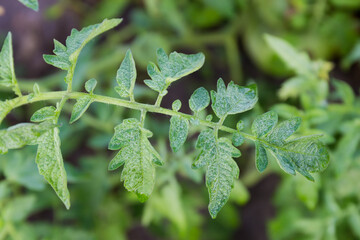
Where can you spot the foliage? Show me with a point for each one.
(139, 157)
(33, 4)
(329, 208)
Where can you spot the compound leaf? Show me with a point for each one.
(33, 4)
(172, 68)
(21, 135)
(80, 108)
(305, 155)
(51, 165)
(138, 156)
(66, 56)
(199, 100)
(233, 99)
(221, 170)
(178, 132)
(126, 76)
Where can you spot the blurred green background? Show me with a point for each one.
(230, 33)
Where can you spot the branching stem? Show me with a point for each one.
(20, 101)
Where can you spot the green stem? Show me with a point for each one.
(16, 88)
(68, 80)
(143, 116)
(158, 100)
(20, 101)
(218, 125)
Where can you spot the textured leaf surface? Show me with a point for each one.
(264, 123)
(172, 68)
(90, 85)
(7, 75)
(5, 108)
(233, 99)
(237, 139)
(21, 135)
(80, 108)
(176, 105)
(305, 155)
(66, 56)
(51, 165)
(43, 114)
(126, 76)
(221, 169)
(178, 132)
(7, 71)
(199, 100)
(33, 4)
(138, 156)
(261, 159)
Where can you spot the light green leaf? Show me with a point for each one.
(7, 75)
(354, 219)
(293, 87)
(221, 169)
(5, 190)
(305, 155)
(43, 114)
(21, 135)
(126, 76)
(19, 208)
(264, 123)
(90, 85)
(307, 192)
(240, 125)
(176, 105)
(284, 130)
(158, 81)
(178, 65)
(344, 92)
(179, 128)
(138, 156)
(298, 62)
(66, 56)
(21, 169)
(199, 100)
(5, 107)
(172, 68)
(51, 165)
(33, 4)
(233, 99)
(80, 108)
(7, 71)
(36, 89)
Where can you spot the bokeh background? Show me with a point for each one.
(230, 33)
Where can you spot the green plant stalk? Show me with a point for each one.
(20, 101)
